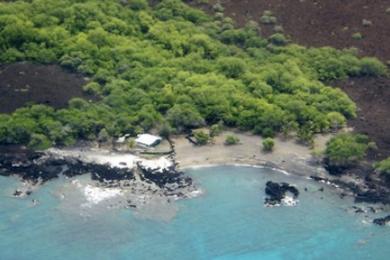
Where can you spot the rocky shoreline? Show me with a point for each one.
(367, 191)
(148, 178)
(140, 177)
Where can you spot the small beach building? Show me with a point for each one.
(147, 140)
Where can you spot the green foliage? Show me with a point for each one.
(231, 140)
(218, 8)
(184, 117)
(268, 18)
(232, 67)
(39, 141)
(201, 137)
(216, 130)
(346, 149)
(92, 88)
(357, 36)
(278, 39)
(171, 68)
(336, 120)
(372, 67)
(138, 4)
(103, 135)
(383, 167)
(268, 144)
(131, 143)
(165, 130)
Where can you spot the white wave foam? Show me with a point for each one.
(117, 160)
(95, 195)
(258, 166)
(160, 163)
(289, 201)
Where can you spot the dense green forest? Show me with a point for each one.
(172, 68)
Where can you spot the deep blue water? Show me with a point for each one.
(228, 222)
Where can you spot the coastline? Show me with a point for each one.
(287, 157)
(112, 166)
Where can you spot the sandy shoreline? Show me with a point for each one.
(288, 156)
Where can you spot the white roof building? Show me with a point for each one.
(148, 140)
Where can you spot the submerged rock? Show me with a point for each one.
(278, 193)
(382, 221)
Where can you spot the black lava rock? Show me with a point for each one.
(382, 221)
(277, 191)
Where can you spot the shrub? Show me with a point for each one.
(165, 130)
(336, 120)
(278, 39)
(383, 167)
(305, 136)
(345, 150)
(39, 141)
(231, 140)
(184, 117)
(278, 29)
(218, 8)
(219, 16)
(103, 135)
(216, 130)
(372, 67)
(268, 18)
(131, 143)
(357, 36)
(268, 144)
(201, 138)
(232, 67)
(138, 4)
(92, 88)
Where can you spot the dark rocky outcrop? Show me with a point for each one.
(369, 192)
(276, 192)
(37, 168)
(382, 221)
(168, 178)
(334, 169)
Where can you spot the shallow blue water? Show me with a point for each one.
(228, 222)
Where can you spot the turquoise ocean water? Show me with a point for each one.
(228, 222)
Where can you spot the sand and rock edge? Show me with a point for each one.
(140, 179)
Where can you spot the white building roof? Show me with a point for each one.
(147, 139)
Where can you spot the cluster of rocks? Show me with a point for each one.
(168, 179)
(36, 168)
(277, 192)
